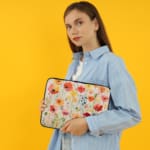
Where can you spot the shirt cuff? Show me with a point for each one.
(92, 127)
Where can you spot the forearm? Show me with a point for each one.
(112, 121)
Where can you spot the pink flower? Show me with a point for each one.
(65, 112)
(104, 98)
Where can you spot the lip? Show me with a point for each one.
(76, 38)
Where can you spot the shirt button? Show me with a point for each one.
(101, 133)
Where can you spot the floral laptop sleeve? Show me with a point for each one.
(67, 99)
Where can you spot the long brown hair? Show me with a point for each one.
(92, 12)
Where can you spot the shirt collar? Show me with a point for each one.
(77, 55)
(95, 53)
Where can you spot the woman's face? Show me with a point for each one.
(80, 28)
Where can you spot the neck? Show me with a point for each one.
(91, 45)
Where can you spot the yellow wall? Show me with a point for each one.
(32, 43)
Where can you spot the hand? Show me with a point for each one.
(42, 105)
(76, 126)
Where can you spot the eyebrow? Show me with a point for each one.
(76, 20)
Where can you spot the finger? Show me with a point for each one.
(65, 126)
(68, 129)
(42, 107)
(42, 102)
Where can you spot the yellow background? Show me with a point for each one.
(33, 47)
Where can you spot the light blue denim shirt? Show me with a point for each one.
(100, 66)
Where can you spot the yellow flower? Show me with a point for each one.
(88, 86)
(73, 93)
(57, 82)
(69, 97)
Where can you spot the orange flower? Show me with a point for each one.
(74, 99)
(90, 98)
(60, 102)
(52, 89)
(102, 89)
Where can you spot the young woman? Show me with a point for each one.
(94, 62)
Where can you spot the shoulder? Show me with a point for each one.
(117, 67)
(113, 59)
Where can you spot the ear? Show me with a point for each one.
(96, 25)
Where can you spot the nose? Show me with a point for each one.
(74, 30)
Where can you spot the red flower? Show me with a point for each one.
(68, 86)
(81, 89)
(86, 114)
(98, 107)
(52, 108)
(105, 98)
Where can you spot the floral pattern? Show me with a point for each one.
(67, 99)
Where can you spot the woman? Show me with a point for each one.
(94, 62)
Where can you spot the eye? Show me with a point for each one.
(79, 22)
(68, 27)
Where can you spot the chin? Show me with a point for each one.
(77, 44)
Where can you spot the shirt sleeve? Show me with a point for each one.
(125, 112)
